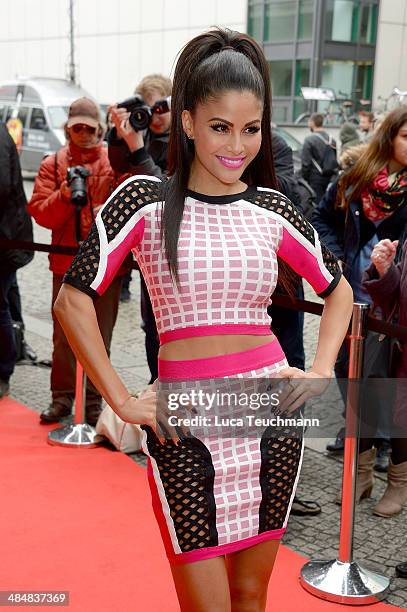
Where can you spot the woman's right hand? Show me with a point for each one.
(140, 411)
(383, 255)
(149, 409)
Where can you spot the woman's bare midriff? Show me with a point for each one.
(211, 346)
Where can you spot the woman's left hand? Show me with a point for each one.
(300, 387)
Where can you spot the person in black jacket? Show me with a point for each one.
(313, 153)
(288, 325)
(15, 224)
(138, 153)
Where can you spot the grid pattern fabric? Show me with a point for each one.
(187, 474)
(227, 255)
(245, 484)
(129, 199)
(85, 266)
(227, 267)
(278, 203)
(280, 458)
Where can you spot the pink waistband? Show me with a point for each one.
(221, 365)
(211, 330)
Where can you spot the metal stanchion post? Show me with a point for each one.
(344, 580)
(78, 434)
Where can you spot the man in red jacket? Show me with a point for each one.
(52, 207)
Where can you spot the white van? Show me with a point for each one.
(42, 108)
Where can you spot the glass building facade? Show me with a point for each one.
(316, 43)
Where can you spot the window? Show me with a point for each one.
(22, 114)
(281, 72)
(58, 115)
(342, 18)
(255, 21)
(280, 113)
(338, 76)
(364, 80)
(302, 75)
(279, 20)
(305, 18)
(368, 24)
(38, 121)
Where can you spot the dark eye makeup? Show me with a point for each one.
(220, 127)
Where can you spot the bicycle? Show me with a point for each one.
(328, 114)
(394, 100)
(397, 98)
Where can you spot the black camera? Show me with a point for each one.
(141, 114)
(76, 179)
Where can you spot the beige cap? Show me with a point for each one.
(85, 111)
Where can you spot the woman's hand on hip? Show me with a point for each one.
(299, 387)
(151, 409)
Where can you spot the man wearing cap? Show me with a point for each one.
(51, 207)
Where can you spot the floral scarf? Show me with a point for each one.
(385, 194)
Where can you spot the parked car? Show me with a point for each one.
(294, 144)
(42, 105)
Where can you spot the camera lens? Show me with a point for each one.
(140, 119)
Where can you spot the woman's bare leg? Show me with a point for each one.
(202, 586)
(249, 572)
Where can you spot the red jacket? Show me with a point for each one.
(50, 209)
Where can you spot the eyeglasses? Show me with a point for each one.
(80, 127)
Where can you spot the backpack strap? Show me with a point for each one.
(56, 168)
(329, 142)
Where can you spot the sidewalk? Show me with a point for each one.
(379, 542)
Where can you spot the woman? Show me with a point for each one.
(206, 241)
(387, 285)
(365, 206)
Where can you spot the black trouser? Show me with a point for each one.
(382, 420)
(14, 300)
(152, 342)
(288, 326)
(8, 351)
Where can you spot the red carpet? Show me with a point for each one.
(81, 521)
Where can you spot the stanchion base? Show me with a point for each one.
(345, 583)
(81, 435)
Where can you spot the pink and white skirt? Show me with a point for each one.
(223, 488)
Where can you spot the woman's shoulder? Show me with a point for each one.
(272, 200)
(141, 186)
(135, 192)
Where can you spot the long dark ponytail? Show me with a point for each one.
(209, 65)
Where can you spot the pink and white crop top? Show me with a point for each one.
(227, 256)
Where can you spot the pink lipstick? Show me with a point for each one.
(231, 162)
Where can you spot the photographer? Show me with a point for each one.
(143, 152)
(70, 188)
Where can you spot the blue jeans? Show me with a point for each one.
(8, 352)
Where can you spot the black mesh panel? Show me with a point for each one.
(281, 205)
(84, 267)
(130, 198)
(187, 476)
(280, 458)
(330, 261)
